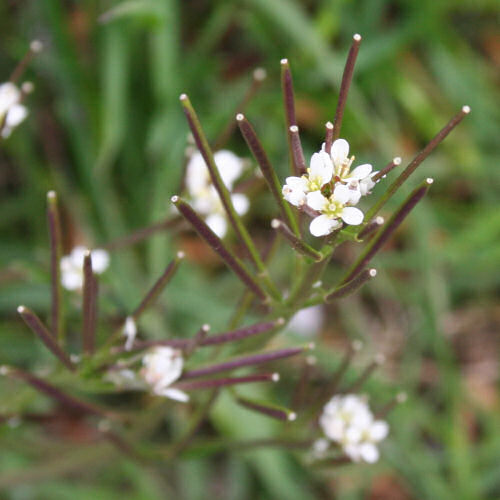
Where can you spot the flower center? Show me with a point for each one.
(313, 183)
(343, 170)
(333, 208)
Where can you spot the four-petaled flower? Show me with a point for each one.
(319, 174)
(203, 194)
(348, 421)
(162, 366)
(72, 266)
(332, 208)
(12, 112)
(359, 180)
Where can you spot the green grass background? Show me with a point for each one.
(107, 132)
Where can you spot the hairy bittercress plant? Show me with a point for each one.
(332, 422)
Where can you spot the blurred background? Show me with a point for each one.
(106, 131)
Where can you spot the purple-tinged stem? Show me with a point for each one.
(221, 338)
(55, 236)
(395, 162)
(224, 194)
(35, 47)
(158, 286)
(196, 341)
(328, 137)
(142, 234)
(218, 246)
(234, 364)
(259, 75)
(332, 387)
(288, 94)
(386, 232)
(352, 286)
(299, 161)
(296, 243)
(88, 306)
(267, 170)
(221, 382)
(419, 158)
(344, 86)
(289, 107)
(39, 329)
(55, 393)
(371, 227)
(365, 375)
(244, 332)
(300, 393)
(388, 407)
(272, 411)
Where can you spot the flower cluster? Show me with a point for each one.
(203, 194)
(12, 112)
(348, 421)
(72, 266)
(162, 367)
(331, 189)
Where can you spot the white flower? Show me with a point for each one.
(203, 194)
(12, 112)
(332, 209)
(359, 180)
(130, 331)
(72, 266)
(163, 366)
(319, 174)
(348, 421)
(365, 448)
(307, 322)
(295, 190)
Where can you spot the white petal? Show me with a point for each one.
(353, 435)
(176, 394)
(354, 193)
(294, 196)
(307, 322)
(100, 260)
(130, 331)
(323, 225)
(366, 185)
(339, 152)
(229, 165)
(341, 193)
(9, 96)
(197, 176)
(321, 167)
(316, 200)
(218, 224)
(77, 255)
(297, 183)
(352, 216)
(333, 427)
(72, 280)
(379, 430)
(353, 452)
(361, 171)
(369, 452)
(240, 203)
(17, 113)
